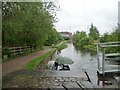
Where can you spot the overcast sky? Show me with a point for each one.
(77, 15)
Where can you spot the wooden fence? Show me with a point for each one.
(0, 51)
(16, 51)
(19, 50)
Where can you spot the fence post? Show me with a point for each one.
(103, 61)
(98, 57)
(14, 50)
(20, 49)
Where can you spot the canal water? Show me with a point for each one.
(82, 61)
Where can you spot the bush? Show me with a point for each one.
(7, 51)
(90, 48)
(66, 38)
(85, 41)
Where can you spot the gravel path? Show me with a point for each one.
(18, 63)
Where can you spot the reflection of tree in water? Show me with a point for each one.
(84, 51)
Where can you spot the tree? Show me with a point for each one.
(53, 37)
(78, 36)
(111, 37)
(94, 33)
(28, 23)
(85, 41)
(104, 38)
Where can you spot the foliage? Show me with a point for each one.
(90, 48)
(29, 23)
(104, 38)
(53, 38)
(25, 51)
(85, 41)
(78, 36)
(32, 65)
(65, 38)
(80, 39)
(61, 46)
(111, 37)
(94, 33)
(7, 51)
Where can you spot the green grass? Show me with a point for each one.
(32, 65)
(62, 45)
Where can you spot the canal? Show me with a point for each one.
(82, 61)
(86, 60)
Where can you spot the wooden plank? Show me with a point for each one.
(87, 84)
(17, 50)
(71, 85)
(87, 76)
(82, 86)
(58, 88)
(15, 47)
(75, 85)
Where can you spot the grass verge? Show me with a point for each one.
(32, 65)
(62, 45)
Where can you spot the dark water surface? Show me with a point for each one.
(82, 61)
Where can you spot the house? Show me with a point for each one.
(66, 34)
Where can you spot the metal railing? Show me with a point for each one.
(101, 61)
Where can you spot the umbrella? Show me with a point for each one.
(64, 60)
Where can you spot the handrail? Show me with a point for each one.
(104, 55)
(109, 43)
(106, 46)
(112, 54)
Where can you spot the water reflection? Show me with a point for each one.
(82, 50)
(83, 60)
